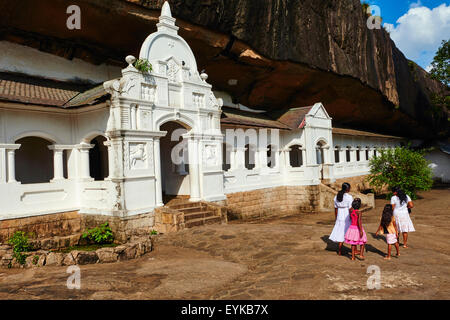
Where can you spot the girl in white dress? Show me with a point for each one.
(400, 203)
(342, 204)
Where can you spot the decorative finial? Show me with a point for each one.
(130, 60)
(165, 12)
(204, 76)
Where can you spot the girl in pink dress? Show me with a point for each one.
(355, 235)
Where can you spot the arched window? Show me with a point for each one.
(250, 157)
(367, 152)
(347, 154)
(226, 154)
(337, 155)
(320, 156)
(34, 161)
(358, 154)
(295, 156)
(98, 159)
(271, 161)
(375, 153)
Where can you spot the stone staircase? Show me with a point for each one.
(179, 213)
(197, 214)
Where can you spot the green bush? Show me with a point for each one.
(99, 235)
(153, 233)
(143, 65)
(401, 167)
(20, 243)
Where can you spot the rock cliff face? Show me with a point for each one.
(320, 51)
(283, 54)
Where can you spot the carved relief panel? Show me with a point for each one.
(148, 92)
(211, 155)
(137, 156)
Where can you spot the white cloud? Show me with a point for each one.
(419, 33)
(428, 69)
(416, 4)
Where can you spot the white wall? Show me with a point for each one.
(26, 60)
(440, 163)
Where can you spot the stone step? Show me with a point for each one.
(186, 205)
(194, 209)
(198, 215)
(203, 221)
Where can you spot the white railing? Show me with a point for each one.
(24, 200)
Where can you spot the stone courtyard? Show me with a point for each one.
(286, 257)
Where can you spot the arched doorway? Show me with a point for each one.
(320, 158)
(174, 161)
(34, 161)
(98, 159)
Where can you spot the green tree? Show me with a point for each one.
(401, 167)
(441, 64)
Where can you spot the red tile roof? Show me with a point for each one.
(295, 118)
(31, 90)
(237, 117)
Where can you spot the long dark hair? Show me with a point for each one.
(386, 217)
(400, 194)
(345, 188)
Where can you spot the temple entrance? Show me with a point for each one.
(174, 162)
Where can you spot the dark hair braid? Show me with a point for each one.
(345, 188)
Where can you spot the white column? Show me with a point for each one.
(110, 159)
(2, 165)
(10, 163)
(326, 155)
(303, 156)
(240, 157)
(84, 172)
(342, 155)
(233, 165)
(287, 160)
(133, 108)
(58, 163)
(194, 177)
(158, 180)
(363, 154)
(353, 154)
(277, 158)
(11, 166)
(257, 158)
(263, 157)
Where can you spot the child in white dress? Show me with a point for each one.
(342, 204)
(400, 203)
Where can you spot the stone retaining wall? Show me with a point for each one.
(39, 258)
(72, 223)
(273, 201)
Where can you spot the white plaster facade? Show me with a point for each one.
(141, 105)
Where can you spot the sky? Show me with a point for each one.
(416, 26)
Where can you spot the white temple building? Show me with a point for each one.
(123, 148)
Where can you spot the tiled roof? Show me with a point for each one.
(352, 132)
(294, 118)
(31, 90)
(236, 117)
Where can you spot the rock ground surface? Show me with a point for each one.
(278, 258)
